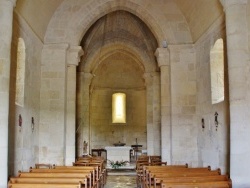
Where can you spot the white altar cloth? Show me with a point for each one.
(118, 153)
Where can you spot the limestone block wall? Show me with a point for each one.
(104, 133)
(183, 104)
(213, 146)
(53, 105)
(23, 143)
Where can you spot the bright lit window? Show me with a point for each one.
(20, 72)
(217, 71)
(119, 108)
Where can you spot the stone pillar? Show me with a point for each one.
(156, 113)
(84, 113)
(53, 98)
(237, 21)
(73, 58)
(150, 126)
(6, 18)
(153, 111)
(163, 59)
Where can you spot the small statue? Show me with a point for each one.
(85, 147)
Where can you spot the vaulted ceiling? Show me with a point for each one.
(199, 14)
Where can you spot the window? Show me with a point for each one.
(217, 72)
(20, 73)
(119, 108)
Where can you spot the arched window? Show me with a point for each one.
(20, 72)
(119, 108)
(217, 71)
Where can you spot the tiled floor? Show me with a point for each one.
(123, 181)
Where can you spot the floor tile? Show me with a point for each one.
(121, 182)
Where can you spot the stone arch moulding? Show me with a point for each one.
(87, 13)
(91, 63)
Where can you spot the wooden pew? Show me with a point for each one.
(65, 175)
(212, 184)
(38, 180)
(101, 173)
(191, 179)
(92, 161)
(43, 185)
(90, 172)
(99, 178)
(151, 173)
(145, 176)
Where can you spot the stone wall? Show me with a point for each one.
(104, 133)
(23, 142)
(183, 104)
(213, 145)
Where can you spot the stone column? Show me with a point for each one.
(84, 115)
(237, 25)
(53, 104)
(6, 18)
(156, 113)
(163, 59)
(150, 126)
(73, 58)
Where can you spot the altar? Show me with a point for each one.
(118, 153)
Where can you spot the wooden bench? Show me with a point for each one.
(90, 173)
(102, 173)
(212, 184)
(144, 173)
(82, 175)
(98, 176)
(151, 176)
(38, 180)
(151, 173)
(44, 185)
(191, 179)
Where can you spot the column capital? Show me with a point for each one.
(162, 55)
(73, 55)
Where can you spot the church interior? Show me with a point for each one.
(183, 65)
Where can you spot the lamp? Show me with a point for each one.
(202, 123)
(216, 120)
(32, 124)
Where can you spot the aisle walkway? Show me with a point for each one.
(115, 181)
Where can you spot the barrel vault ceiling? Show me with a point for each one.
(199, 14)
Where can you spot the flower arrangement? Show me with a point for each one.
(117, 164)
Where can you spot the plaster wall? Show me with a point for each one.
(23, 142)
(213, 145)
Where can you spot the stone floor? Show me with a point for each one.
(121, 181)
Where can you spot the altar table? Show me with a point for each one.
(118, 153)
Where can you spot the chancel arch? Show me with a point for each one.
(87, 13)
(119, 52)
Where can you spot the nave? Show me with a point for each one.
(92, 172)
(121, 181)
